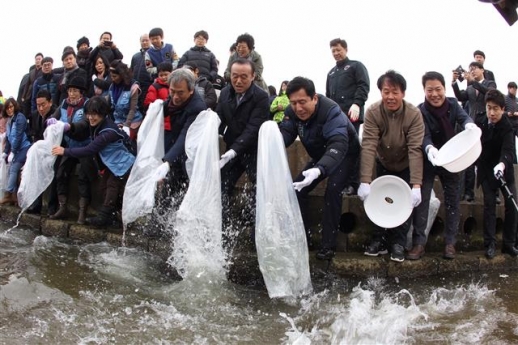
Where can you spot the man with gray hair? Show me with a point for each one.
(180, 111)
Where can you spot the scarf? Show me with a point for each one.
(440, 115)
(173, 109)
(117, 91)
(72, 105)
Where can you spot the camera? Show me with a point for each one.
(108, 43)
(460, 71)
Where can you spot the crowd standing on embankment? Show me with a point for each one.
(102, 101)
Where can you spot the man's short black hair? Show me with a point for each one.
(106, 33)
(156, 32)
(512, 84)
(298, 83)
(495, 96)
(44, 93)
(476, 64)
(433, 76)
(392, 78)
(479, 52)
(338, 41)
(242, 61)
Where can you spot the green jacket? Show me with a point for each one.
(278, 115)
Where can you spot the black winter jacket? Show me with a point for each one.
(240, 123)
(328, 135)
(347, 84)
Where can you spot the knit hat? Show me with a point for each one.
(78, 83)
(83, 40)
(67, 51)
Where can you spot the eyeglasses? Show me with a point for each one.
(10, 106)
(92, 115)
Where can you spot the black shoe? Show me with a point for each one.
(34, 210)
(325, 254)
(376, 248)
(513, 251)
(397, 253)
(350, 191)
(469, 197)
(491, 251)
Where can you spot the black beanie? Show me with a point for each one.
(83, 40)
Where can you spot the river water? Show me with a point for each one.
(63, 293)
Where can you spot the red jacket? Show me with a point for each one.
(158, 90)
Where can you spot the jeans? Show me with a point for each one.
(14, 170)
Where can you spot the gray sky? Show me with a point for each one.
(292, 36)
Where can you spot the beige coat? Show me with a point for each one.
(395, 139)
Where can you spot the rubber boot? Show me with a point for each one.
(62, 211)
(83, 206)
(104, 217)
(8, 196)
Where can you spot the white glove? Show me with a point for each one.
(227, 157)
(354, 113)
(126, 130)
(364, 191)
(10, 158)
(309, 176)
(470, 125)
(416, 196)
(432, 153)
(498, 170)
(162, 171)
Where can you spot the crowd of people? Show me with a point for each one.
(101, 102)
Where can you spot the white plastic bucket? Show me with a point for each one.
(389, 203)
(460, 151)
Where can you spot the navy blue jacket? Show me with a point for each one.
(180, 120)
(457, 115)
(328, 135)
(240, 123)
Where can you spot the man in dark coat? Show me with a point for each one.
(140, 73)
(180, 109)
(332, 143)
(474, 94)
(494, 164)
(441, 115)
(348, 85)
(242, 108)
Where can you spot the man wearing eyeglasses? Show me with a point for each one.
(474, 95)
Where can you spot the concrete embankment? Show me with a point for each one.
(244, 267)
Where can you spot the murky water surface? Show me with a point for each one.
(60, 293)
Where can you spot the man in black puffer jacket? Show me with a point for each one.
(332, 143)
